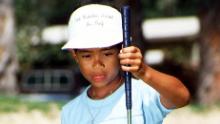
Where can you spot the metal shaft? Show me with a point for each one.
(129, 118)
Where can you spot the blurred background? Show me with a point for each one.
(178, 37)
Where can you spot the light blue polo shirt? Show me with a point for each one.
(146, 107)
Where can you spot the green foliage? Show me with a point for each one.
(31, 17)
(47, 12)
(43, 12)
(181, 53)
(49, 56)
(42, 55)
(167, 8)
(23, 44)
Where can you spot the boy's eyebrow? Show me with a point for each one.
(108, 48)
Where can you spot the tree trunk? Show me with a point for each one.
(8, 60)
(209, 78)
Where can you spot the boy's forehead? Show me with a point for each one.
(96, 49)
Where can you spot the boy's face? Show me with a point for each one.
(100, 66)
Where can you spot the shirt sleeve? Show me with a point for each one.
(163, 109)
(153, 109)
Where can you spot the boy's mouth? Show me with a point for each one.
(98, 78)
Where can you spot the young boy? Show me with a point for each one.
(95, 37)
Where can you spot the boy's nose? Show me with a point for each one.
(98, 62)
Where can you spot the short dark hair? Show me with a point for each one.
(118, 46)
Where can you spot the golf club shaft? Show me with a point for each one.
(127, 75)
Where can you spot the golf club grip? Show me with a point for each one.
(126, 42)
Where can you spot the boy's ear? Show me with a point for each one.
(73, 54)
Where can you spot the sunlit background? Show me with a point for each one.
(178, 37)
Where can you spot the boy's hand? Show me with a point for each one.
(164, 85)
(132, 56)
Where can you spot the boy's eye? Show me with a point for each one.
(108, 54)
(86, 56)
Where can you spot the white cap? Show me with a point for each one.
(94, 26)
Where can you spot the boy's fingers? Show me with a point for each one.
(130, 55)
(130, 62)
(130, 68)
(130, 49)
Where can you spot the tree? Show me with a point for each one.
(31, 17)
(209, 78)
(8, 59)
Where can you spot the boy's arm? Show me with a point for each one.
(172, 91)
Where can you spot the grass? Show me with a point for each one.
(14, 104)
(198, 108)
